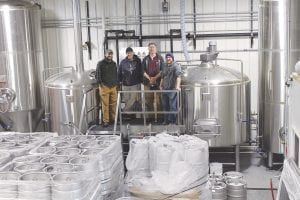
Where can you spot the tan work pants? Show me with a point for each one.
(108, 97)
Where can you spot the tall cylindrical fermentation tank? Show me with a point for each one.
(21, 62)
(294, 34)
(216, 102)
(278, 53)
(293, 147)
(71, 102)
(293, 94)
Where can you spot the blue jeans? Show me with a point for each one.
(169, 103)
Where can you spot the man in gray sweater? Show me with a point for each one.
(170, 80)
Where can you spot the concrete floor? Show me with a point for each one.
(258, 177)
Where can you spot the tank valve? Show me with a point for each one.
(7, 96)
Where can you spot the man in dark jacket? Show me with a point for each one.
(106, 76)
(170, 80)
(152, 64)
(130, 75)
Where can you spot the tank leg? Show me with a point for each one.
(270, 159)
(30, 121)
(237, 158)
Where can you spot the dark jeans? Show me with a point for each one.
(169, 103)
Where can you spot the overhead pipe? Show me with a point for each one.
(190, 16)
(78, 36)
(188, 36)
(117, 35)
(174, 34)
(97, 22)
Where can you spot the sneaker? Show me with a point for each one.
(105, 124)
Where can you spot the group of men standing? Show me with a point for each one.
(153, 72)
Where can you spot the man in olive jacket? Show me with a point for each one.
(106, 76)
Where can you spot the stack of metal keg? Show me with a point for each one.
(229, 186)
(65, 168)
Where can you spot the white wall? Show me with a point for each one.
(59, 42)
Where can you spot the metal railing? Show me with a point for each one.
(144, 111)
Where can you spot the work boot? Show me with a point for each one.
(105, 124)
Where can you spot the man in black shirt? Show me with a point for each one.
(130, 75)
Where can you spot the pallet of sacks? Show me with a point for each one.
(165, 166)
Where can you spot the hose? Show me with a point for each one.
(183, 33)
(272, 190)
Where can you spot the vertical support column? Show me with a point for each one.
(171, 41)
(118, 112)
(30, 121)
(88, 42)
(251, 24)
(141, 25)
(117, 48)
(270, 159)
(237, 158)
(105, 41)
(195, 26)
(78, 36)
(143, 103)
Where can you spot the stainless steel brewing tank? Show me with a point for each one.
(20, 51)
(71, 102)
(273, 71)
(21, 64)
(216, 104)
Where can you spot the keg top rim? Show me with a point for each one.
(70, 80)
(210, 74)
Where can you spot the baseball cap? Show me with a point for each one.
(108, 51)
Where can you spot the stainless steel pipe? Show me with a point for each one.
(78, 36)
